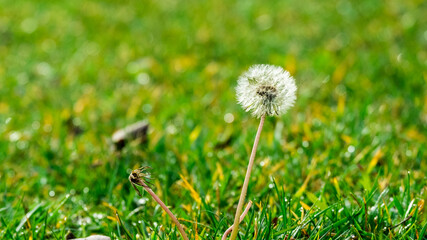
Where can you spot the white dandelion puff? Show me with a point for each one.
(266, 90)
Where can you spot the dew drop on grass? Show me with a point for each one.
(44, 69)
(52, 193)
(85, 190)
(365, 131)
(142, 201)
(14, 136)
(171, 129)
(305, 144)
(228, 117)
(98, 215)
(43, 181)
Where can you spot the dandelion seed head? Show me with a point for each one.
(140, 177)
(266, 90)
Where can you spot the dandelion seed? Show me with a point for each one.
(266, 90)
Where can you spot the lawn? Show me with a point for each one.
(348, 161)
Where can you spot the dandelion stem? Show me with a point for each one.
(174, 219)
(246, 182)
(224, 237)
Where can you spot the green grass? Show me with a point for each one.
(347, 162)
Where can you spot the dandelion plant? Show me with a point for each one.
(263, 90)
(141, 177)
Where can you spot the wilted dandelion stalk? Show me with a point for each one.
(263, 90)
(141, 177)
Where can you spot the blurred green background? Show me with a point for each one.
(73, 72)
